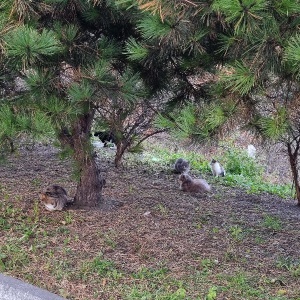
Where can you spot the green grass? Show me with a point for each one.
(39, 246)
(271, 222)
(48, 245)
(241, 171)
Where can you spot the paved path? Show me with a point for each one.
(14, 289)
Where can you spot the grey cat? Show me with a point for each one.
(188, 184)
(55, 197)
(181, 166)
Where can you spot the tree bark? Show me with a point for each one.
(121, 148)
(294, 169)
(89, 188)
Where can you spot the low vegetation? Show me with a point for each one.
(161, 244)
(241, 170)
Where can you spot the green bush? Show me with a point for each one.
(238, 163)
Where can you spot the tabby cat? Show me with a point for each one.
(55, 197)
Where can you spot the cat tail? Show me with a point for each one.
(223, 173)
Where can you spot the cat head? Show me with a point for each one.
(213, 161)
(185, 177)
(46, 199)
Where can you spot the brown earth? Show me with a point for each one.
(155, 224)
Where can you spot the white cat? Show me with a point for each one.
(217, 168)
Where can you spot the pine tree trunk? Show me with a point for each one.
(294, 169)
(121, 147)
(89, 188)
(88, 193)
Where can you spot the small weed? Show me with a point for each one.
(13, 256)
(207, 265)
(130, 189)
(230, 255)
(36, 212)
(259, 240)
(161, 208)
(212, 293)
(289, 264)
(215, 230)
(271, 222)
(145, 273)
(63, 230)
(236, 232)
(4, 224)
(68, 218)
(109, 241)
(61, 268)
(202, 221)
(2, 265)
(158, 294)
(100, 266)
(36, 182)
(241, 285)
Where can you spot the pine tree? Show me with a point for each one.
(256, 47)
(70, 60)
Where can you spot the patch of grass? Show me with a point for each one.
(165, 158)
(68, 218)
(161, 208)
(147, 273)
(136, 293)
(97, 257)
(13, 256)
(212, 293)
(272, 222)
(242, 286)
(207, 265)
(99, 268)
(289, 264)
(236, 232)
(241, 170)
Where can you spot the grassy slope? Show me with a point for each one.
(161, 244)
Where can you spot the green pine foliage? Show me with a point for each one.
(109, 49)
(275, 127)
(244, 15)
(240, 78)
(80, 92)
(40, 83)
(199, 122)
(67, 34)
(99, 72)
(27, 46)
(135, 50)
(152, 27)
(181, 122)
(292, 54)
(132, 89)
(286, 7)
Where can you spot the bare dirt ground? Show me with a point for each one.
(155, 225)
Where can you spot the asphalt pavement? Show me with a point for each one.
(14, 289)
